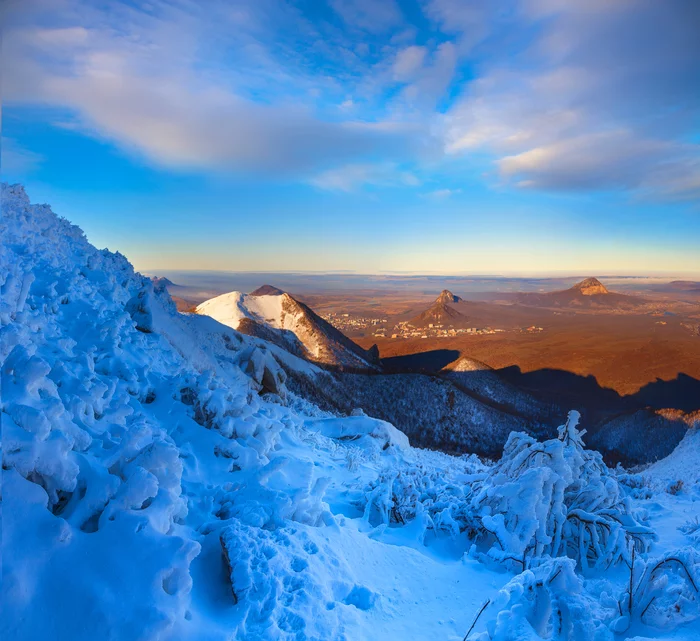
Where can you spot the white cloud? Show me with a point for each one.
(142, 83)
(408, 62)
(566, 95)
(350, 177)
(376, 16)
(17, 159)
(442, 194)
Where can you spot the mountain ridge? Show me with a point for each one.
(282, 319)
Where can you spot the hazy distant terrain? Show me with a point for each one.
(208, 283)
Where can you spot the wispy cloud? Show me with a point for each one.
(15, 159)
(146, 87)
(369, 15)
(442, 194)
(351, 177)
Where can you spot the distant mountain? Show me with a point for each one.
(267, 290)
(162, 281)
(447, 297)
(589, 293)
(288, 323)
(451, 412)
(590, 287)
(441, 312)
(684, 286)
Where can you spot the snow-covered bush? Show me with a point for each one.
(691, 529)
(663, 592)
(546, 602)
(556, 499)
(436, 495)
(637, 485)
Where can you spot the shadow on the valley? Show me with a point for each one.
(564, 387)
(560, 386)
(626, 428)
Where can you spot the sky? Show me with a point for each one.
(427, 136)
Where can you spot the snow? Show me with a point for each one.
(233, 307)
(160, 481)
(682, 464)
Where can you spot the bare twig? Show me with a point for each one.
(471, 627)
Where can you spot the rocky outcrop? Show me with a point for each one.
(265, 371)
(446, 297)
(590, 287)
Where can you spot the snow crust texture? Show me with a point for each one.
(160, 481)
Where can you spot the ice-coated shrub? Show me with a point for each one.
(556, 498)
(546, 602)
(691, 529)
(663, 592)
(437, 495)
(541, 499)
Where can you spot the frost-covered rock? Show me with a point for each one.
(274, 578)
(367, 432)
(264, 369)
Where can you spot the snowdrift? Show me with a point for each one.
(160, 481)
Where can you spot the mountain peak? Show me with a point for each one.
(162, 282)
(590, 287)
(447, 297)
(267, 290)
(275, 316)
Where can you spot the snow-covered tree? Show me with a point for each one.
(556, 498)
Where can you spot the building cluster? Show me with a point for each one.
(380, 328)
(348, 323)
(404, 329)
(694, 328)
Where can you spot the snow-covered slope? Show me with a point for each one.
(683, 464)
(161, 482)
(280, 318)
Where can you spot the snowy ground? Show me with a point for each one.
(151, 492)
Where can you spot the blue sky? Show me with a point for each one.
(448, 136)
